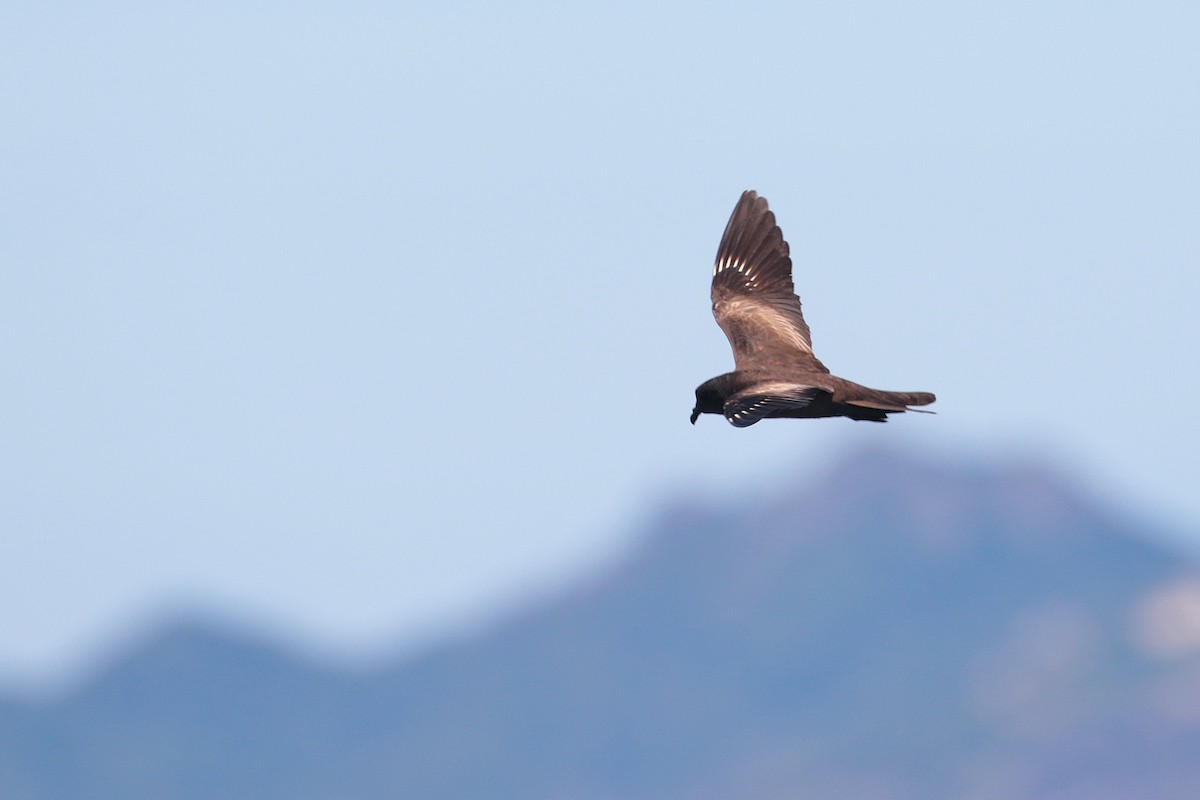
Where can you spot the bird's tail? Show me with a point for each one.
(890, 402)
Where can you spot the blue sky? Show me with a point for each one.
(361, 322)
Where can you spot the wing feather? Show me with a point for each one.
(754, 300)
(765, 400)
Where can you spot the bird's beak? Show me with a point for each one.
(695, 415)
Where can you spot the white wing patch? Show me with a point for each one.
(764, 314)
(741, 266)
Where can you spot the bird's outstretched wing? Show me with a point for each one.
(753, 298)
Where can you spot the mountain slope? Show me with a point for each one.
(898, 630)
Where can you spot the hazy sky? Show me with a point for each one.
(357, 321)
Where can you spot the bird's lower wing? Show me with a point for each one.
(748, 407)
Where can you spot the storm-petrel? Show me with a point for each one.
(775, 372)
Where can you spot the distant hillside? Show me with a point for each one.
(900, 629)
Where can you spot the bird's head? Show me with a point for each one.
(710, 398)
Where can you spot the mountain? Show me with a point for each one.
(901, 628)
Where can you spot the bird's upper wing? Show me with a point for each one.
(753, 298)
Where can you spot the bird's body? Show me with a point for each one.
(776, 373)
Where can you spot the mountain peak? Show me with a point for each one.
(899, 628)
(185, 658)
(943, 501)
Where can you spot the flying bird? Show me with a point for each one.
(775, 372)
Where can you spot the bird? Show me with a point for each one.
(775, 371)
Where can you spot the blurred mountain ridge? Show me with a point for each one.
(898, 627)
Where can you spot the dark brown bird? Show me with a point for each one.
(775, 372)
